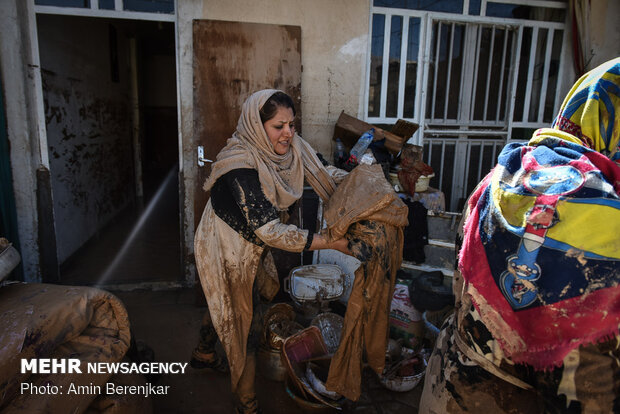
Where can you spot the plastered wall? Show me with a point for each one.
(88, 123)
(333, 42)
(604, 31)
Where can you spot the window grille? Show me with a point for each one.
(159, 10)
(473, 74)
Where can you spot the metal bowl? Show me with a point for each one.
(304, 404)
(330, 325)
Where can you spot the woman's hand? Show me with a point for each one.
(342, 245)
(320, 242)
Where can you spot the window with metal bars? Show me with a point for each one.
(148, 6)
(473, 73)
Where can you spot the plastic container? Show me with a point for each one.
(361, 146)
(340, 154)
(297, 351)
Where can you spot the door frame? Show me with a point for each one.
(36, 86)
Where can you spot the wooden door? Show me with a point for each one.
(231, 61)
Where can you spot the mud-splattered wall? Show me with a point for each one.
(87, 110)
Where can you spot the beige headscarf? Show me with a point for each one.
(281, 176)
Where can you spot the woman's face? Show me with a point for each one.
(280, 130)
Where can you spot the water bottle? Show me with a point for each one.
(340, 154)
(360, 148)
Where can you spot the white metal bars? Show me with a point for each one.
(471, 86)
(94, 10)
(489, 50)
(459, 165)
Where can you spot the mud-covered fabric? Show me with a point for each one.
(364, 194)
(590, 110)
(370, 215)
(238, 199)
(227, 265)
(208, 336)
(52, 321)
(541, 249)
(587, 381)
(536, 322)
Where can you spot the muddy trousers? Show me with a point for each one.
(245, 395)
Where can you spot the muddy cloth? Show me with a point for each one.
(468, 372)
(370, 215)
(238, 199)
(208, 336)
(52, 321)
(541, 253)
(410, 170)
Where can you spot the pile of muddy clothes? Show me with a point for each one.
(369, 214)
(43, 322)
(366, 210)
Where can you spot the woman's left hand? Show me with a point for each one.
(320, 242)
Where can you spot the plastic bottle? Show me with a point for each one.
(340, 154)
(360, 147)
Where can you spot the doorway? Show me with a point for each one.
(109, 89)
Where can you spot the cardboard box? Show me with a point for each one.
(349, 129)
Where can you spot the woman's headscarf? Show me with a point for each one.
(590, 110)
(541, 248)
(281, 176)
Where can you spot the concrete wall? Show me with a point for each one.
(604, 31)
(88, 122)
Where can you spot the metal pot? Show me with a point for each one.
(315, 283)
(270, 364)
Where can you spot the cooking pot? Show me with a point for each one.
(315, 283)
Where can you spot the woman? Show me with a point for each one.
(537, 287)
(257, 176)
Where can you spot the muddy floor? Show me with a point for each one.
(168, 321)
